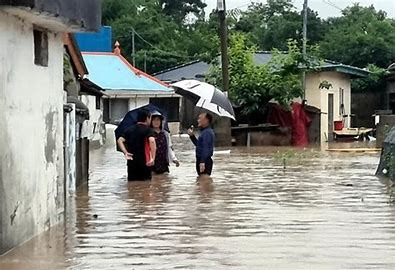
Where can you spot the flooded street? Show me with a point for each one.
(324, 211)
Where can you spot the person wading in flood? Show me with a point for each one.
(133, 143)
(204, 144)
(165, 153)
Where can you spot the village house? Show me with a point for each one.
(126, 86)
(333, 102)
(32, 184)
(88, 126)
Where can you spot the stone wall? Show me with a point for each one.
(31, 134)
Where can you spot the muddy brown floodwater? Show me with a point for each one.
(324, 211)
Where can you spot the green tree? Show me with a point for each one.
(253, 86)
(162, 39)
(179, 9)
(270, 25)
(360, 37)
(373, 82)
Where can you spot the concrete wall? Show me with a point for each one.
(31, 134)
(94, 127)
(138, 102)
(118, 108)
(319, 97)
(386, 122)
(364, 106)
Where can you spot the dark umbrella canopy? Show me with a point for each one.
(205, 96)
(130, 119)
(222, 101)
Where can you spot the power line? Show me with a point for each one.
(332, 4)
(156, 48)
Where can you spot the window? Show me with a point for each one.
(169, 106)
(40, 48)
(98, 101)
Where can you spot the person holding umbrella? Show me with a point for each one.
(138, 145)
(208, 97)
(164, 154)
(204, 144)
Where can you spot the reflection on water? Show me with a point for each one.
(324, 211)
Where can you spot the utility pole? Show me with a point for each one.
(145, 61)
(133, 46)
(304, 50)
(221, 8)
(223, 125)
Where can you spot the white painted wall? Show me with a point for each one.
(319, 97)
(31, 134)
(137, 102)
(92, 127)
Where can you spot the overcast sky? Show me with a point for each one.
(325, 10)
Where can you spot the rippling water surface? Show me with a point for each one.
(324, 211)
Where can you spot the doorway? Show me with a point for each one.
(330, 115)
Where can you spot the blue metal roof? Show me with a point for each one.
(113, 72)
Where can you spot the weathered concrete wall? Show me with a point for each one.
(319, 97)
(93, 128)
(364, 106)
(31, 134)
(138, 102)
(386, 122)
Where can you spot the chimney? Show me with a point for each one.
(117, 50)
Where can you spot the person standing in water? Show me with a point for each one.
(165, 153)
(204, 144)
(133, 143)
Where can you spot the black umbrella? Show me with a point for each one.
(130, 119)
(205, 96)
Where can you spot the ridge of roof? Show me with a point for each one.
(330, 63)
(129, 65)
(177, 66)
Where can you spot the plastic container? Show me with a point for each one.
(338, 125)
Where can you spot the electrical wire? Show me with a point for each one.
(332, 4)
(158, 49)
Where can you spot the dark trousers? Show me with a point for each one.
(138, 171)
(208, 167)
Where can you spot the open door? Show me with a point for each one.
(330, 115)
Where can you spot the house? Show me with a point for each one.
(32, 188)
(368, 105)
(334, 102)
(88, 125)
(128, 88)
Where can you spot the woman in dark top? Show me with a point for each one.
(164, 152)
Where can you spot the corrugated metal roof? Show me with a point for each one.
(113, 72)
(198, 69)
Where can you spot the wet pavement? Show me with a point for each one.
(262, 209)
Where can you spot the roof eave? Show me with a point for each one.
(351, 71)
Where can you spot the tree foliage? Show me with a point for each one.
(360, 37)
(252, 86)
(374, 82)
(172, 32)
(270, 25)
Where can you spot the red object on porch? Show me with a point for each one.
(338, 125)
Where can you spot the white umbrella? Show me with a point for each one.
(205, 96)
